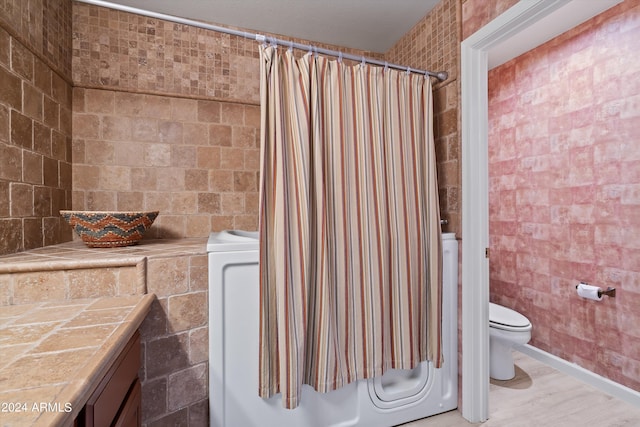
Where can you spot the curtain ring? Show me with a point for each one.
(364, 62)
(408, 70)
(262, 39)
(340, 57)
(290, 45)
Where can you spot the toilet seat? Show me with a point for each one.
(506, 319)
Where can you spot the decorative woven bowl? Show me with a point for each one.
(109, 229)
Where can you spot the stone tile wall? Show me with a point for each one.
(175, 337)
(43, 27)
(565, 191)
(73, 283)
(166, 117)
(127, 52)
(196, 161)
(35, 123)
(124, 51)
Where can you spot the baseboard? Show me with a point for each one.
(601, 383)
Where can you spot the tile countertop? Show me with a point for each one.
(54, 354)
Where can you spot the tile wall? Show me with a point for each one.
(196, 161)
(128, 52)
(165, 117)
(43, 27)
(175, 338)
(565, 191)
(478, 13)
(35, 123)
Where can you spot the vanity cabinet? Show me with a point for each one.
(117, 400)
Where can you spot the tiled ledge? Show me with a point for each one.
(74, 255)
(56, 354)
(73, 270)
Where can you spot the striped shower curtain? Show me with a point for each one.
(350, 249)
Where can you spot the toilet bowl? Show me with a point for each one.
(506, 329)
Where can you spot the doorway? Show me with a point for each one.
(521, 28)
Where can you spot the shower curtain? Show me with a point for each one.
(350, 250)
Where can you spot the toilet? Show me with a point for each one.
(506, 328)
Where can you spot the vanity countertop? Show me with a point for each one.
(54, 354)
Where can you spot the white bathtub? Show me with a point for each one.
(397, 397)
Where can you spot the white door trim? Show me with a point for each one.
(524, 26)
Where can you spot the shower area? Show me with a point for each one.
(344, 279)
(205, 182)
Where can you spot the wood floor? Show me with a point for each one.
(541, 396)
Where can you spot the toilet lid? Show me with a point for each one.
(505, 316)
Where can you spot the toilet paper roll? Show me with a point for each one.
(589, 292)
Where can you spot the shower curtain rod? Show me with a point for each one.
(440, 75)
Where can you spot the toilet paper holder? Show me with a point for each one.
(610, 292)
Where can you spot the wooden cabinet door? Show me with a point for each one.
(106, 403)
(130, 413)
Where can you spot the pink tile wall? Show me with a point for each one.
(564, 149)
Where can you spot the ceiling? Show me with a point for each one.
(371, 25)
